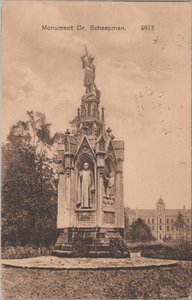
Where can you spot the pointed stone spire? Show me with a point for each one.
(109, 131)
(67, 131)
(78, 113)
(102, 115)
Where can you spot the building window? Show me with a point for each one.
(94, 112)
(98, 130)
(167, 220)
(172, 227)
(89, 109)
(148, 221)
(152, 227)
(83, 112)
(66, 146)
(152, 221)
(172, 220)
(102, 145)
(90, 130)
(160, 227)
(160, 236)
(160, 220)
(167, 227)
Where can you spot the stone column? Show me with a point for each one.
(61, 201)
(100, 193)
(119, 203)
(72, 204)
(67, 219)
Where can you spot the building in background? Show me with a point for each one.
(162, 221)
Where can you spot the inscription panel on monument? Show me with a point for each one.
(109, 217)
(85, 218)
(109, 208)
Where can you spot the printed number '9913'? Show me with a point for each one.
(147, 27)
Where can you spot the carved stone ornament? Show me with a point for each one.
(85, 148)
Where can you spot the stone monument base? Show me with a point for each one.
(91, 242)
(57, 263)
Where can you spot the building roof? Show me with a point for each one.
(101, 137)
(174, 212)
(71, 139)
(150, 213)
(118, 144)
(146, 213)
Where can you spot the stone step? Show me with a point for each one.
(97, 248)
(63, 247)
(61, 253)
(98, 254)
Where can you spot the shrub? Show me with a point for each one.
(25, 251)
(118, 248)
(79, 247)
(139, 231)
(183, 251)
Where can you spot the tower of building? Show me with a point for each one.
(160, 219)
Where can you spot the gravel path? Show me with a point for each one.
(158, 283)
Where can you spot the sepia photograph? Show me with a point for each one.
(96, 150)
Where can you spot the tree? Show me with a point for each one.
(139, 231)
(180, 225)
(126, 221)
(28, 183)
(74, 124)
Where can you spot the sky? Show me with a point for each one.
(144, 78)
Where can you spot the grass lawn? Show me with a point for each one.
(158, 283)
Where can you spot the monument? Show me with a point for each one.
(90, 167)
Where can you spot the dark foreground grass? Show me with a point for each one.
(157, 283)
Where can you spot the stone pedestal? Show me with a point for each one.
(96, 241)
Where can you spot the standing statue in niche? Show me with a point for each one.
(109, 182)
(85, 187)
(89, 76)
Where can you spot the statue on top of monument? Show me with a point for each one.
(89, 76)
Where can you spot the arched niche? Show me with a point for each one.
(79, 184)
(83, 159)
(110, 166)
(109, 182)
